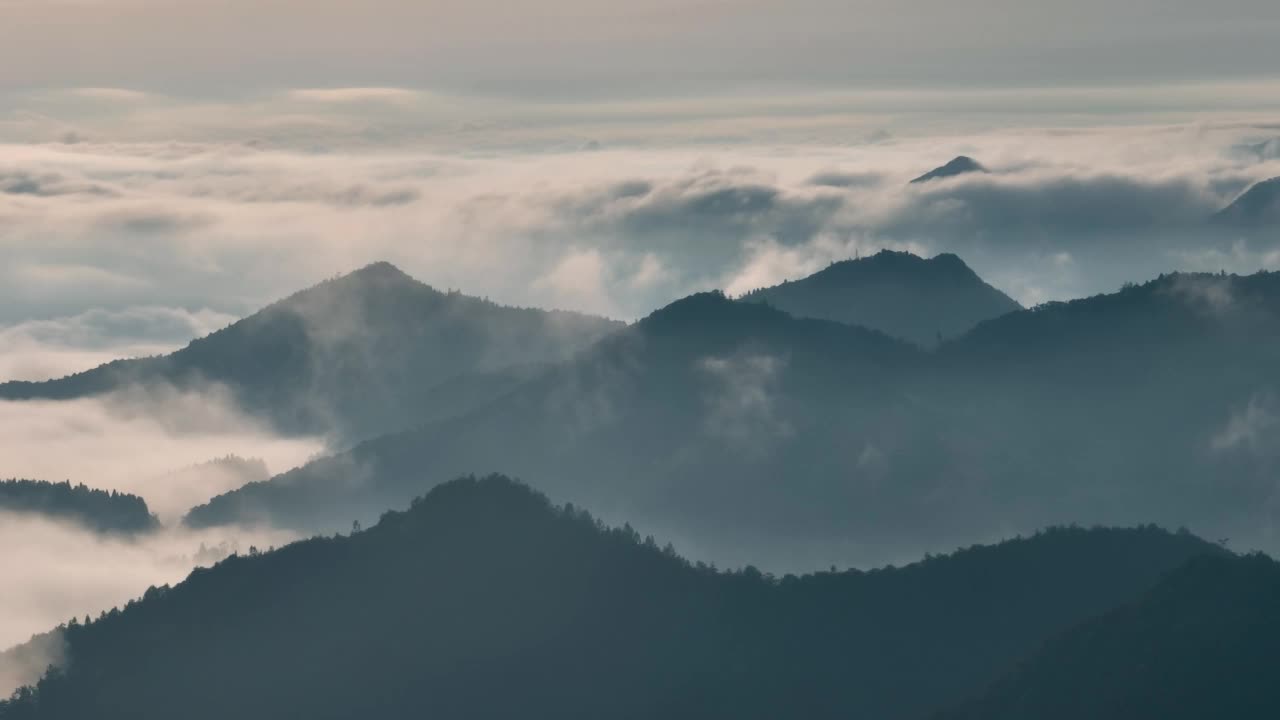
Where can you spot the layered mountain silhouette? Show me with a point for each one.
(96, 510)
(366, 353)
(485, 601)
(746, 434)
(1201, 644)
(960, 165)
(897, 293)
(1259, 205)
(706, 416)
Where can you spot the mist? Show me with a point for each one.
(134, 440)
(155, 443)
(55, 572)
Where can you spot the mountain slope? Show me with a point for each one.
(707, 415)
(1259, 205)
(960, 165)
(747, 434)
(897, 293)
(96, 510)
(483, 601)
(1153, 402)
(1201, 644)
(357, 355)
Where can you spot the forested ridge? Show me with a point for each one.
(485, 600)
(94, 509)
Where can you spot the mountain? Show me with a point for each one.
(957, 166)
(97, 510)
(707, 415)
(1259, 205)
(1155, 402)
(1201, 644)
(484, 601)
(746, 434)
(356, 355)
(897, 293)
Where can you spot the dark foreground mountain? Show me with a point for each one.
(956, 166)
(1202, 644)
(897, 293)
(358, 355)
(97, 510)
(1259, 205)
(745, 434)
(484, 601)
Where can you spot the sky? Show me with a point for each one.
(576, 48)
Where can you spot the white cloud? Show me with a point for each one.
(44, 349)
(111, 93)
(1251, 428)
(233, 225)
(54, 572)
(131, 440)
(355, 95)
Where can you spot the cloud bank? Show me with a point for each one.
(65, 572)
(132, 441)
(215, 229)
(43, 349)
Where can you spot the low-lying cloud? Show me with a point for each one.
(155, 443)
(55, 572)
(134, 441)
(231, 225)
(44, 349)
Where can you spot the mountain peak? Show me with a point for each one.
(959, 165)
(897, 293)
(891, 260)
(377, 273)
(1258, 205)
(380, 269)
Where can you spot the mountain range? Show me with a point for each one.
(483, 600)
(802, 426)
(744, 433)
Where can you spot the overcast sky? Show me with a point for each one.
(577, 48)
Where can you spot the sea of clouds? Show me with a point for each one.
(132, 222)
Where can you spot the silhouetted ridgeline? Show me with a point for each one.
(97, 510)
(1201, 644)
(690, 416)
(484, 601)
(755, 435)
(358, 355)
(897, 293)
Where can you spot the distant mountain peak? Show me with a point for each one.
(898, 293)
(959, 165)
(901, 259)
(1258, 205)
(377, 273)
(380, 269)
